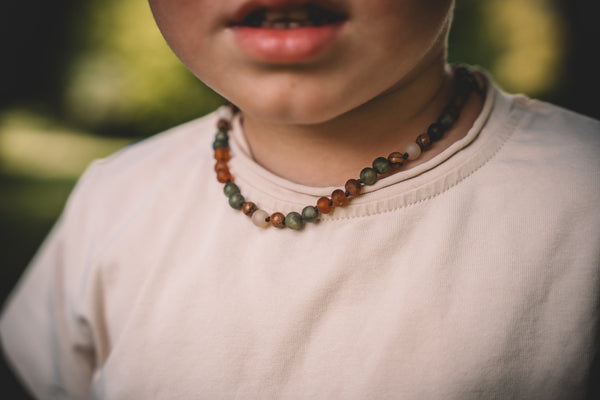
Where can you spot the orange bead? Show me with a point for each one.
(222, 154)
(223, 125)
(424, 141)
(249, 208)
(353, 187)
(396, 158)
(224, 176)
(277, 220)
(324, 205)
(338, 197)
(221, 166)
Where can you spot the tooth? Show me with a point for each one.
(273, 15)
(293, 24)
(298, 14)
(280, 25)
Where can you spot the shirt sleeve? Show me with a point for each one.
(45, 335)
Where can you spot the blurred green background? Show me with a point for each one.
(79, 80)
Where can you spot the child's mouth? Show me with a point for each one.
(291, 18)
(293, 33)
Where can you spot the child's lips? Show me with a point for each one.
(277, 31)
(286, 45)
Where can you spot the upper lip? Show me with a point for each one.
(251, 6)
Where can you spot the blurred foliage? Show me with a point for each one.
(520, 42)
(35, 146)
(125, 79)
(529, 35)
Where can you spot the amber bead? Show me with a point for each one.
(396, 158)
(277, 220)
(338, 197)
(223, 125)
(324, 205)
(353, 187)
(249, 208)
(221, 166)
(222, 154)
(423, 141)
(224, 176)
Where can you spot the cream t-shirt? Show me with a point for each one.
(472, 276)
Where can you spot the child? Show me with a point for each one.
(463, 265)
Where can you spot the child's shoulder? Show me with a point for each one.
(163, 150)
(553, 135)
(552, 150)
(159, 155)
(162, 163)
(550, 118)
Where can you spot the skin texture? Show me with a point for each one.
(319, 121)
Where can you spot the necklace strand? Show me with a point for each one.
(465, 83)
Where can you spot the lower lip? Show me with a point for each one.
(286, 45)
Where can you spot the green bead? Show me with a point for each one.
(230, 189)
(310, 214)
(221, 136)
(435, 131)
(446, 120)
(381, 165)
(294, 221)
(220, 143)
(236, 200)
(368, 176)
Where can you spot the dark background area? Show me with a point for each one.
(46, 44)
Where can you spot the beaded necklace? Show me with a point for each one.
(465, 83)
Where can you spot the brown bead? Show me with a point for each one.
(223, 125)
(221, 166)
(353, 187)
(338, 197)
(224, 176)
(249, 208)
(396, 158)
(277, 220)
(424, 141)
(222, 154)
(324, 205)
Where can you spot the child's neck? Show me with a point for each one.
(334, 151)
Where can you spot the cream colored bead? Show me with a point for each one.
(225, 112)
(413, 150)
(259, 218)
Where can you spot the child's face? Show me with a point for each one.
(358, 51)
